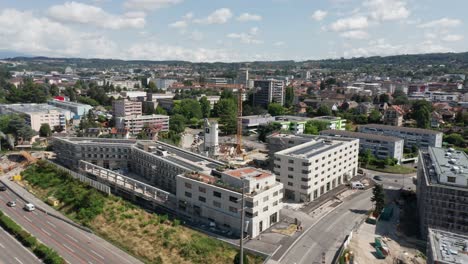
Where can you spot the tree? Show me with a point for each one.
(160, 111)
(378, 197)
(189, 108)
(313, 127)
(322, 85)
(152, 88)
(226, 109)
(365, 158)
(54, 90)
(45, 131)
(265, 130)
(455, 139)
(374, 116)
(289, 96)
(422, 113)
(324, 110)
(276, 109)
(384, 98)
(205, 107)
(400, 98)
(177, 123)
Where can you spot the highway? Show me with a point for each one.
(73, 244)
(329, 232)
(11, 251)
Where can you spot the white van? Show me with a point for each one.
(29, 207)
(357, 185)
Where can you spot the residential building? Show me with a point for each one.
(38, 114)
(365, 108)
(77, 109)
(251, 123)
(446, 247)
(125, 107)
(268, 91)
(421, 138)
(135, 123)
(163, 84)
(311, 169)
(393, 116)
(294, 124)
(334, 122)
(380, 146)
(243, 77)
(216, 199)
(218, 81)
(442, 190)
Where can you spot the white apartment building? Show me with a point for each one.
(76, 108)
(123, 108)
(216, 199)
(313, 168)
(135, 123)
(163, 84)
(38, 114)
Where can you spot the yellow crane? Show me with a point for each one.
(239, 120)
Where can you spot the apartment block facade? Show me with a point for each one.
(316, 166)
(76, 108)
(333, 122)
(421, 138)
(136, 123)
(125, 107)
(380, 146)
(38, 114)
(442, 190)
(268, 91)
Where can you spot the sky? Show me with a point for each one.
(232, 30)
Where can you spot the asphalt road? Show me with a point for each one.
(11, 251)
(327, 235)
(393, 181)
(73, 244)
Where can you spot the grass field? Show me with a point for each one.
(396, 169)
(150, 237)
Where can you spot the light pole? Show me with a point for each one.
(242, 223)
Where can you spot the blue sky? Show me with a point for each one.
(234, 30)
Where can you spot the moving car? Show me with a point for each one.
(29, 207)
(11, 203)
(2, 188)
(377, 178)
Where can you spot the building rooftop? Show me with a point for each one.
(447, 166)
(351, 134)
(69, 103)
(32, 108)
(248, 172)
(312, 148)
(288, 118)
(327, 118)
(448, 247)
(405, 129)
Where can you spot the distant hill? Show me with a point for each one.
(5, 54)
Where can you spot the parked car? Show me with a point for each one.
(11, 203)
(377, 178)
(360, 171)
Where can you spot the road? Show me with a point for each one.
(393, 181)
(327, 235)
(73, 244)
(13, 252)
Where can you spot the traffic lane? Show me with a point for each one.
(328, 234)
(13, 252)
(45, 234)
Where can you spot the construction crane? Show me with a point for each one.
(239, 120)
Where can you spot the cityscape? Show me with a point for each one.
(168, 131)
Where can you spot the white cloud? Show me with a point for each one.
(188, 16)
(387, 10)
(279, 43)
(149, 4)
(246, 38)
(219, 16)
(319, 15)
(452, 38)
(355, 34)
(155, 51)
(245, 17)
(196, 35)
(441, 23)
(74, 12)
(181, 24)
(350, 23)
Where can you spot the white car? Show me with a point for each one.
(29, 207)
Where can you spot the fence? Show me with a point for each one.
(95, 184)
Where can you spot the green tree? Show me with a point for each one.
(374, 116)
(45, 131)
(313, 127)
(160, 111)
(189, 108)
(455, 139)
(400, 98)
(205, 106)
(289, 96)
(227, 112)
(365, 158)
(152, 88)
(276, 109)
(324, 110)
(177, 123)
(422, 113)
(378, 198)
(54, 90)
(384, 98)
(265, 130)
(322, 85)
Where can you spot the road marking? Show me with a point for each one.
(72, 238)
(19, 261)
(34, 212)
(97, 254)
(69, 248)
(1, 245)
(27, 218)
(45, 231)
(51, 224)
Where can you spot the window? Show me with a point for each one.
(290, 169)
(290, 176)
(275, 193)
(202, 189)
(265, 208)
(306, 163)
(451, 179)
(291, 161)
(290, 184)
(216, 194)
(188, 194)
(216, 204)
(248, 204)
(233, 199)
(202, 199)
(232, 209)
(275, 203)
(188, 185)
(265, 198)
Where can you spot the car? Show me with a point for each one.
(360, 171)
(29, 207)
(377, 178)
(11, 203)
(2, 188)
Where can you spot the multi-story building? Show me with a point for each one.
(442, 190)
(446, 247)
(203, 190)
(315, 166)
(163, 84)
(135, 123)
(334, 122)
(124, 108)
(76, 108)
(418, 137)
(380, 146)
(393, 116)
(268, 91)
(243, 77)
(38, 114)
(216, 199)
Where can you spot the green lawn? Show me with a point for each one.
(396, 169)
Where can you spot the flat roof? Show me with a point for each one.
(248, 172)
(312, 148)
(351, 134)
(32, 108)
(405, 129)
(69, 103)
(448, 247)
(449, 162)
(328, 118)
